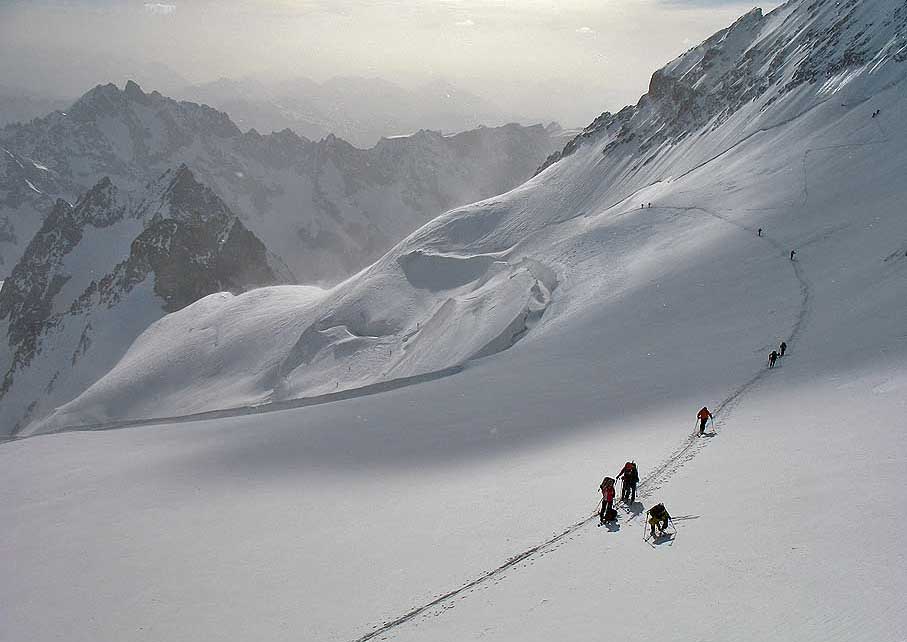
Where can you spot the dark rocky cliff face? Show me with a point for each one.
(28, 296)
(201, 249)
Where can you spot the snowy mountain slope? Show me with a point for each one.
(326, 208)
(389, 501)
(478, 279)
(328, 521)
(99, 272)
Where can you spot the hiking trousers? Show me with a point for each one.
(628, 492)
(606, 506)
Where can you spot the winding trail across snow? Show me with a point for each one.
(687, 450)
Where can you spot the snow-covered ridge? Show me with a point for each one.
(756, 61)
(327, 208)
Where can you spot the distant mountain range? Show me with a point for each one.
(359, 110)
(327, 208)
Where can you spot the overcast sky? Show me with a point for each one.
(567, 59)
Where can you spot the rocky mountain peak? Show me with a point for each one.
(100, 206)
(178, 195)
(110, 101)
(132, 91)
(99, 98)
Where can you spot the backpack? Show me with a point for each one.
(658, 511)
(610, 515)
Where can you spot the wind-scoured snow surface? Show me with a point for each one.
(577, 331)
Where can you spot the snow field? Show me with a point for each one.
(789, 532)
(323, 523)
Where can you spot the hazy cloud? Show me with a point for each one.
(160, 8)
(742, 5)
(562, 59)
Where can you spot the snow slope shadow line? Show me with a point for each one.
(686, 451)
(272, 406)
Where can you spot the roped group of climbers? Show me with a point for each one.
(657, 516)
(629, 477)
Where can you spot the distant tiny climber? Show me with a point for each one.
(792, 252)
(650, 205)
(607, 514)
(782, 349)
(759, 232)
(704, 415)
(772, 357)
(629, 477)
(658, 516)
